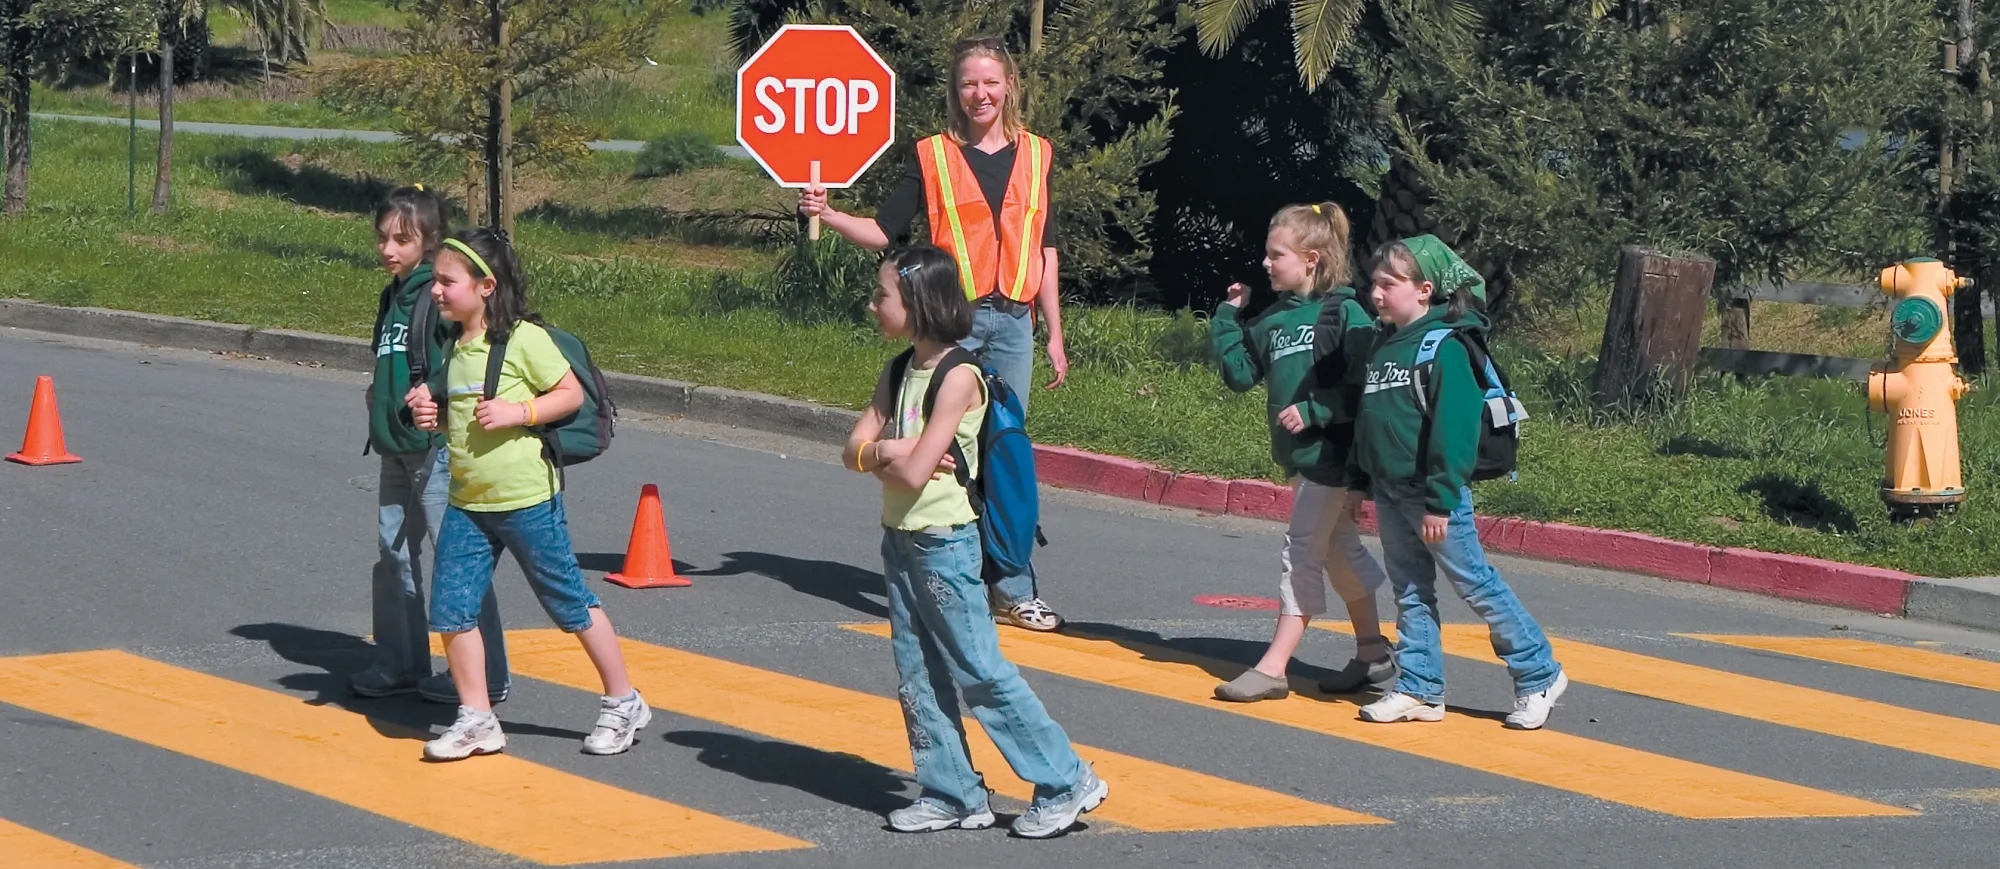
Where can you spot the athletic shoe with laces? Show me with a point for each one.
(924, 816)
(618, 722)
(1397, 706)
(1033, 614)
(1531, 711)
(475, 732)
(1055, 817)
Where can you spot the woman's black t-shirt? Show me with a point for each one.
(993, 170)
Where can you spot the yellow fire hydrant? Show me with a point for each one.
(1918, 389)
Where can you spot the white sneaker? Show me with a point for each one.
(1397, 706)
(1531, 711)
(618, 722)
(1033, 614)
(474, 732)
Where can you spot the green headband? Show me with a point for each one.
(485, 270)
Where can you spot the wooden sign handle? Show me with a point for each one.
(812, 227)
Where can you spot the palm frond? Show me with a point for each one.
(1320, 30)
(1217, 23)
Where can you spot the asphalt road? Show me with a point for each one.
(181, 607)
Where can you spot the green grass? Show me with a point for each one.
(691, 89)
(1783, 465)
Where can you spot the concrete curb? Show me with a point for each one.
(1972, 602)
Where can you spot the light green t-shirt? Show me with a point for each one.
(492, 471)
(941, 501)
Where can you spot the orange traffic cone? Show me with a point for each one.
(649, 559)
(43, 444)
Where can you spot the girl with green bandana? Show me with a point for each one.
(1417, 439)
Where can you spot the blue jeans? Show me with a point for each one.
(1006, 344)
(410, 507)
(943, 636)
(469, 547)
(1412, 564)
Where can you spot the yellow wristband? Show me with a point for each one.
(860, 457)
(531, 410)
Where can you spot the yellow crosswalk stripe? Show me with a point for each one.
(1548, 758)
(500, 802)
(31, 849)
(1900, 660)
(1809, 709)
(1147, 796)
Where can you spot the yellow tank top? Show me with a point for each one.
(942, 501)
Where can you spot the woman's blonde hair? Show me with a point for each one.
(1319, 227)
(1010, 111)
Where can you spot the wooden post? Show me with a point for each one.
(1734, 313)
(812, 226)
(1653, 332)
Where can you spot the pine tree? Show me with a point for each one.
(462, 91)
(42, 37)
(1731, 128)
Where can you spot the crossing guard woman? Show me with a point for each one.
(983, 186)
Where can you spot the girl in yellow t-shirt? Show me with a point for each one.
(505, 495)
(941, 629)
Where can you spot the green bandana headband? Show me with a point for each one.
(485, 271)
(1444, 269)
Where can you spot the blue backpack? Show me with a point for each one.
(1500, 435)
(1003, 494)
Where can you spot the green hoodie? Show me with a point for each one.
(1280, 348)
(390, 429)
(1389, 434)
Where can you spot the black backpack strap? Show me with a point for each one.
(956, 357)
(496, 357)
(417, 348)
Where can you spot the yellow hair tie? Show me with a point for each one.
(419, 186)
(1315, 206)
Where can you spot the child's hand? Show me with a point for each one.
(423, 408)
(1292, 420)
(1434, 527)
(1235, 295)
(494, 414)
(946, 468)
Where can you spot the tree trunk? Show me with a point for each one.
(1035, 13)
(163, 173)
(16, 199)
(500, 127)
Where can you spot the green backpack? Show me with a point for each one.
(583, 435)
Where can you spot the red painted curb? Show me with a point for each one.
(1794, 577)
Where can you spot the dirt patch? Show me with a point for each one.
(163, 244)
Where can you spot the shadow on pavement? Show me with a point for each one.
(336, 656)
(832, 776)
(852, 587)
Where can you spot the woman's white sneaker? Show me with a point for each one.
(1397, 706)
(1531, 711)
(618, 722)
(474, 732)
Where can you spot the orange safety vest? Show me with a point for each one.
(962, 223)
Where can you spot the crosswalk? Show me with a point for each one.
(542, 815)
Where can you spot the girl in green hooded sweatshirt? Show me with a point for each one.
(1416, 440)
(1302, 367)
(410, 495)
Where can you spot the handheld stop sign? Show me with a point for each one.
(815, 106)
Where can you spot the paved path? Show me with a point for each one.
(182, 606)
(258, 131)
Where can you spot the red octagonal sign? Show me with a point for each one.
(815, 94)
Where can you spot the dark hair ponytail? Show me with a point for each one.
(420, 211)
(509, 302)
